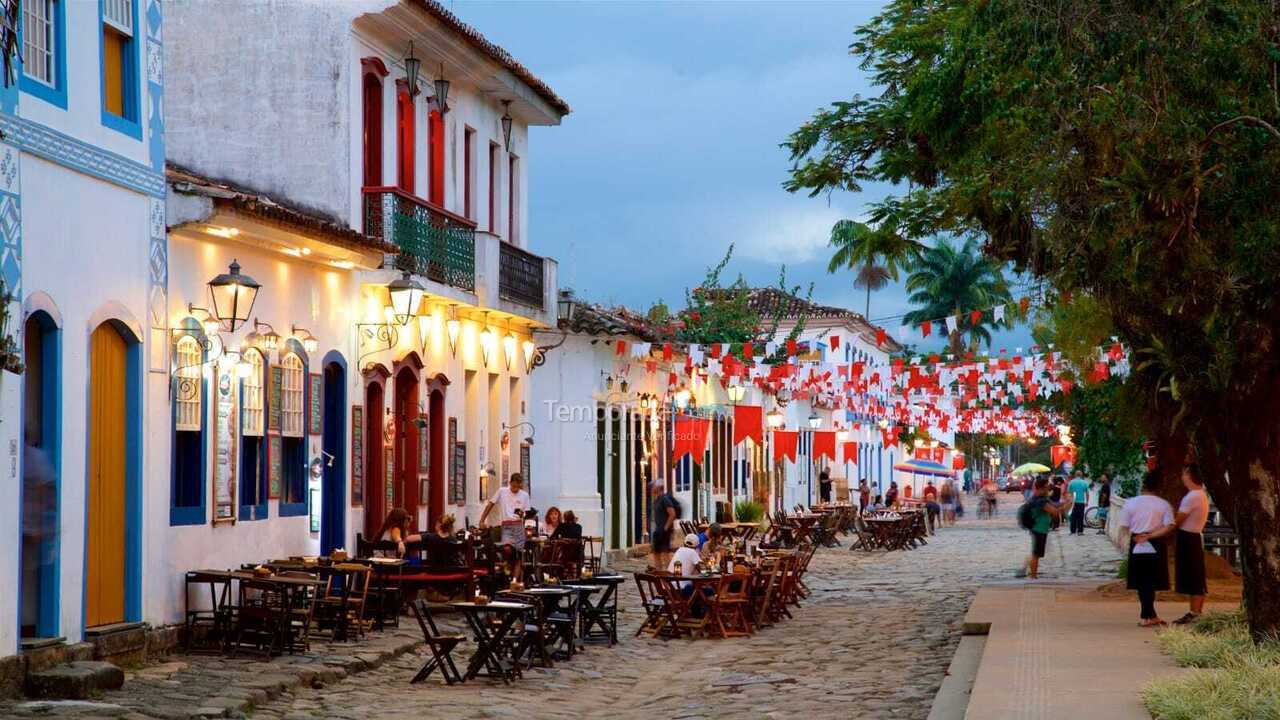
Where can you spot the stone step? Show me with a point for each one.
(75, 681)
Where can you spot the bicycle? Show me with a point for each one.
(1095, 517)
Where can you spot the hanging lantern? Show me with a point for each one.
(268, 341)
(774, 418)
(624, 385)
(453, 327)
(509, 349)
(424, 329)
(487, 342)
(842, 435)
(682, 398)
(529, 349)
(567, 305)
(736, 393)
(304, 336)
(442, 92)
(815, 422)
(233, 297)
(411, 67)
(406, 296)
(506, 124)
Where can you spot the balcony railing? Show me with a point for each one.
(519, 276)
(433, 242)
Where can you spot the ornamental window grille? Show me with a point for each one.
(38, 40)
(189, 357)
(119, 15)
(291, 412)
(254, 411)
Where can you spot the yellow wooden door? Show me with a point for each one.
(104, 563)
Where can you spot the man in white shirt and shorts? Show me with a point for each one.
(1192, 515)
(512, 502)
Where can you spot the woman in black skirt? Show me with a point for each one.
(1149, 518)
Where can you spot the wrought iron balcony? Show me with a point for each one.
(433, 242)
(520, 276)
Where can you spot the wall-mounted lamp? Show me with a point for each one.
(488, 341)
(411, 67)
(268, 341)
(529, 350)
(424, 329)
(304, 336)
(736, 393)
(233, 296)
(453, 327)
(842, 435)
(682, 398)
(506, 124)
(509, 349)
(815, 422)
(406, 296)
(442, 92)
(774, 418)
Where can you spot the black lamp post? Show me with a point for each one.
(233, 297)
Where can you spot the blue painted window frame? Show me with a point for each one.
(130, 79)
(299, 508)
(259, 510)
(56, 95)
(190, 514)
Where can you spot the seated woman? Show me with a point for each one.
(567, 530)
(551, 521)
(396, 528)
(441, 547)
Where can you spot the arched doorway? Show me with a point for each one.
(333, 509)
(113, 505)
(41, 476)
(375, 487)
(406, 440)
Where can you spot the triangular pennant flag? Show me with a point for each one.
(926, 328)
(952, 323)
(690, 437)
(824, 444)
(975, 317)
(748, 422)
(784, 444)
(835, 342)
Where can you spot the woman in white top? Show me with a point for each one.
(1149, 518)
(1193, 513)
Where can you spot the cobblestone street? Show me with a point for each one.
(873, 641)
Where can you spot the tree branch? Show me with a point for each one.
(1247, 120)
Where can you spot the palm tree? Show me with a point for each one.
(875, 255)
(950, 281)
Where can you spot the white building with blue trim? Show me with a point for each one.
(84, 258)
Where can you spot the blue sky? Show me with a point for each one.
(672, 151)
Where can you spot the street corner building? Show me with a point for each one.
(262, 288)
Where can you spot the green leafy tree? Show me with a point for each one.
(874, 255)
(947, 281)
(1124, 151)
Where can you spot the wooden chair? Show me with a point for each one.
(653, 602)
(535, 633)
(299, 613)
(441, 646)
(262, 615)
(679, 609)
(730, 607)
(342, 607)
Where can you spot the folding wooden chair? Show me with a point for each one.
(729, 608)
(441, 646)
(653, 602)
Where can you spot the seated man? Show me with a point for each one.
(568, 529)
(685, 563)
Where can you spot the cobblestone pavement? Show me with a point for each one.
(873, 641)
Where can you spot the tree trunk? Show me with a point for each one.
(1253, 465)
(867, 312)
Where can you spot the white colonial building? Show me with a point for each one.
(83, 265)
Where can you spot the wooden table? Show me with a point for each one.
(490, 653)
(601, 613)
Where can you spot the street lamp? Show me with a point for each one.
(774, 418)
(411, 67)
(268, 341)
(233, 297)
(567, 305)
(736, 393)
(842, 435)
(406, 296)
(815, 422)
(442, 92)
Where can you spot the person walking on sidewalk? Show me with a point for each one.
(1104, 501)
(1188, 553)
(1078, 488)
(1037, 516)
(1149, 518)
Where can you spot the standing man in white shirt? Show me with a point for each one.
(1149, 518)
(1193, 513)
(513, 502)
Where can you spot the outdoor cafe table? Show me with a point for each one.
(290, 586)
(734, 529)
(601, 613)
(490, 651)
(551, 597)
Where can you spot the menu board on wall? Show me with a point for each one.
(315, 403)
(275, 396)
(357, 455)
(275, 467)
(224, 450)
(460, 470)
(457, 484)
(424, 445)
(389, 470)
(525, 466)
(313, 509)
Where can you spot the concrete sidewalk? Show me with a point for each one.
(1058, 651)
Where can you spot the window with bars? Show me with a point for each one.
(292, 416)
(187, 394)
(39, 41)
(186, 496)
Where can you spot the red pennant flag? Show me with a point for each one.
(715, 351)
(1066, 386)
(747, 354)
(791, 347)
(835, 342)
(650, 366)
(975, 317)
(666, 352)
(748, 422)
(1023, 304)
(784, 444)
(824, 444)
(621, 347)
(690, 437)
(881, 336)
(926, 327)
(850, 451)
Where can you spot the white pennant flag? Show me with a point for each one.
(952, 323)
(999, 313)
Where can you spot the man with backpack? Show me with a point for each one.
(1037, 516)
(665, 510)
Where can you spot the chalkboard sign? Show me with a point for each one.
(315, 403)
(525, 466)
(275, 397)
(357, 455)
(275, 470)
(457, 486)
(460, 471)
